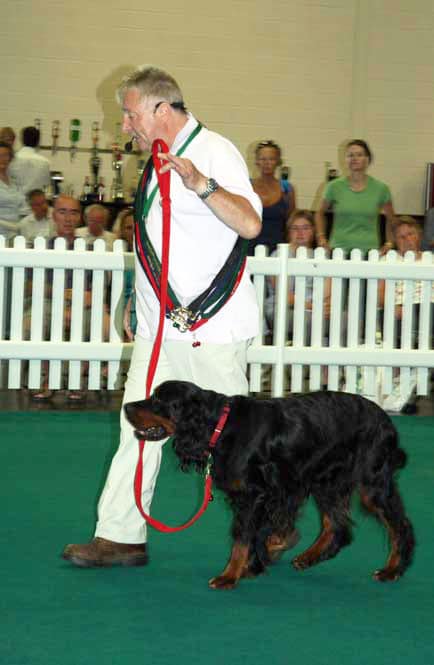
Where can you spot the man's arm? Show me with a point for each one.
(233, 210)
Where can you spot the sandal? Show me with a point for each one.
(75, 395)
(42, 395)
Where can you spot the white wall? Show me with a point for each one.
(309, 74)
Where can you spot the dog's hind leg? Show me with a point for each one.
(235, 569)
(386, 504)
(335, 534)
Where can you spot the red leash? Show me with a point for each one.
(208, 481)
(164, 185)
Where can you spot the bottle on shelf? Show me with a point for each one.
(87, 190)
(101, 190)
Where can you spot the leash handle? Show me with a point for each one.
(164, 183)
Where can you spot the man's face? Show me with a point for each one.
(407, 239)
(96, 222)
(39, 206)
(140, 119)
(66, 215)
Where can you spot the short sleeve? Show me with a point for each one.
(385, 195)
(330, 191)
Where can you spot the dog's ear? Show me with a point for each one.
(194, 425)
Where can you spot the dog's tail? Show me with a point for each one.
(388, 434)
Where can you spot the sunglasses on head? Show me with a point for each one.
(267, 144)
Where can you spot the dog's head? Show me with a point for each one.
(181, 409)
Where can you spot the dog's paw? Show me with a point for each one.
(222, 582)
(301, 563)
(386, 575)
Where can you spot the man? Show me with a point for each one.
(66, 216)
(30, 170)
(212, 204)
(96, 218)
(39, 222)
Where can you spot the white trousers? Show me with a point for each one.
(220, 367)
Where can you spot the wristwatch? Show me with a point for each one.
(211, 186)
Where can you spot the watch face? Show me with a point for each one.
(211, 186)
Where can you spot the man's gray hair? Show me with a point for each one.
(96, 206)
(151, 82)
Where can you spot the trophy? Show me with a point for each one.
(55, 131)
(331, 174)
(74, 137)
(95, 161)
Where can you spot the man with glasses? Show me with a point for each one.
(212, 206)
(66, 217)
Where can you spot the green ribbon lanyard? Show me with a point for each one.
(143, 202)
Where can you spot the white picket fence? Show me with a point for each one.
(354, 358)
(14, 349)
(361, 362)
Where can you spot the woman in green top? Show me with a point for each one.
(356, 200)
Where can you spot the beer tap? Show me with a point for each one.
(95, 161)
(74, 137)
(55, 132)
(117, 192)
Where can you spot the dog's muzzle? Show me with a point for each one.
(155, 433)
(147, 425)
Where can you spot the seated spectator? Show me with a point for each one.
(356, 200)
(407, 234)
(39, 222)
(300, 233)
(428, 231)
(96, 217)
(277, 196)
(125, 226)
(7, 135)
(30, 170)
(12, 202)
(66, 216)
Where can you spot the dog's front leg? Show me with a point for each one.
(235, 568)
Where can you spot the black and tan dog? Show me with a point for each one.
(272, 454)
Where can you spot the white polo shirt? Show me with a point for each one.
(32, 228)
(107, 236)
(200, 244)
(30, 170)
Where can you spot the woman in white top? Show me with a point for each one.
(12, 201)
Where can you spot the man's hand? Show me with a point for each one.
(233, 210)
(190, 176)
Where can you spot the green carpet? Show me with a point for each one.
(54, 614)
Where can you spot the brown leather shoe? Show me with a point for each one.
(102, 552)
